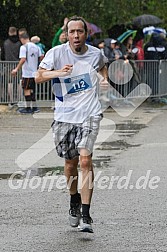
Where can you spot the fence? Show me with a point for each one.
(153, 73)
(10, 88)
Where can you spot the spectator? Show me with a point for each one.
(11, 47)
(36, 40)
(22, 31)
(140, 53)
(99, 43)
(116, 52)
(10, 52)
(29, 58)
(138, 42)
(154, 50)
(126, 48)
(60, 36)
(108, 49)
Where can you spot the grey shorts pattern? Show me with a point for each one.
(70, 138)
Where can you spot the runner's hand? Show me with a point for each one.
(66, 70)
(104, 84)
(14, 72)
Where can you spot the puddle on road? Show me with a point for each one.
(127, 129)
(8, 175)
(101, 160)
(116, 145)
(130, 127)
(41, 172)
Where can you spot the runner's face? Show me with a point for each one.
(76, 36)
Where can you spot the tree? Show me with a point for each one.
(44, 17)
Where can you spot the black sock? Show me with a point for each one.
(85, 209)
(75, 198)
(28, 101)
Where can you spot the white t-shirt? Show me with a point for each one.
(76, 95)
(31, 52)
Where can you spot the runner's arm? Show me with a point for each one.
(21, 62)
(103, 77)
(43, 75)
(103, 71)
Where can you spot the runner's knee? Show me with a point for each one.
(86, 163)
(71, 165)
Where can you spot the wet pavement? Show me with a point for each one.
(34, 215)
(20, 133)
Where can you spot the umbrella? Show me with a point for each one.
(127, 34)
(93, 28)
(146, 20)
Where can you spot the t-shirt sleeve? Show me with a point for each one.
(39, 52)
(23, 52)
(48, 61)
(102, 61)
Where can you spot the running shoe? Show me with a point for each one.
(75, 214)
(35, 110)
(25, 111)
(85, 224)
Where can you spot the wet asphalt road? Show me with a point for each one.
(129, 204)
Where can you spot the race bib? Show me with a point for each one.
(78, 83)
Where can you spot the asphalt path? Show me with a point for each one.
(129, 203)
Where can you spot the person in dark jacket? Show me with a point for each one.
(108, 49)
(156, 48)
(10, 52)
(155, 51)
(11, 46)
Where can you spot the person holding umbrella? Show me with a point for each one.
(126, 40)
(126, 48)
